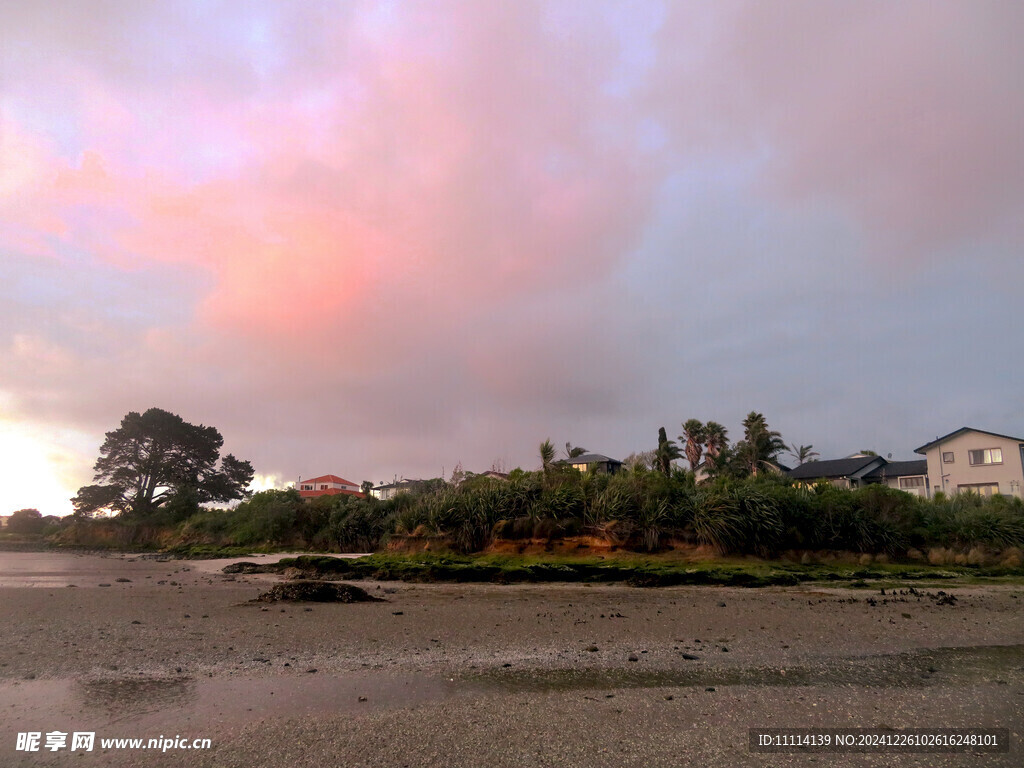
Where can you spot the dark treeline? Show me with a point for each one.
(638, 509)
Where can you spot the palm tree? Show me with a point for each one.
(716, 438)
(803, 453)
(760, 445)
(694, 435)
(571, 452)
(666, 453)
(547, 455)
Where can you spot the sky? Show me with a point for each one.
(380, 239)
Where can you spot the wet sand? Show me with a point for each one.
(480, 675)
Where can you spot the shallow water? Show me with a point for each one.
(63, 569)
(185, 704)
(936, 666)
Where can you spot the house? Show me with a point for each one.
(327, 485)
(597, 461)
(387, 491)
(851, 472)
(909, 476)
(4, 520)
(975, 460)
(494, 475)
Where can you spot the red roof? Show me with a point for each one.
(329, 479)
(329, 492)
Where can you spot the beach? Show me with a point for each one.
(481, 674)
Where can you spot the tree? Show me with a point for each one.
(716, 438)
(638, 463)
(571, 451)
(366, 486)
(666, 453)
(547, 456)
(694, 435)
(156, 457)
(803, 453)
(26, 521)
(458, 475)
(760, 445)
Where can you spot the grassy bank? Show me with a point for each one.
(641, 512)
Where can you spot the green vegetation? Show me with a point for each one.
(642, 510)
(29, 522)
(157, 471)
(632, 569)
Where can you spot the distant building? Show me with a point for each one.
(909, 476)
(327, 485)
(977, 461)
(494, 475)
(4, 520)
(597, 461)
(387, 491)
(861, 469)
(851, 472)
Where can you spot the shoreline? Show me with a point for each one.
(485, 674)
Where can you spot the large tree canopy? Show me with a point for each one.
(157, 456)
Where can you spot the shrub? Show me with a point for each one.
(28, 521)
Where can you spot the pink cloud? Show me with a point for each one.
(447, 159)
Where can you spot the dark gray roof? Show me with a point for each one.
(899, 469)
(813, 470)
(592, 458)
(960, 431)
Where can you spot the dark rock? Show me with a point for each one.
(710, 688)
(245, 567)
(318, 592)
(690, 657)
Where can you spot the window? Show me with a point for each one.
(307, 487)
(323, 487)
(982, 489)
(912, 482)
(985, 456)
(947, 457)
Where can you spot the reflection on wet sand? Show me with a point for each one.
(119, 697)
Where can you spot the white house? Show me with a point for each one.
(975, 460)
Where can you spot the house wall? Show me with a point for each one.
(922, 490)
(1009, 476)
(389, 491)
